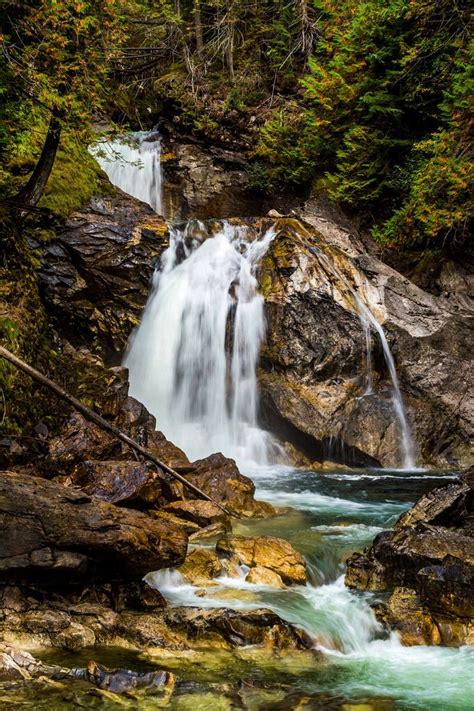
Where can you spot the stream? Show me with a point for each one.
(334, 514)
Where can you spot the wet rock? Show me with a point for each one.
(275, 554)
(203, 513)
(124, 681)
(264, 576)
(314, 365)
(238, 628)
(15, 664)
(131, 483)
(188, 526)
(219, 477)
(430, 553)
(201, 564)
(49, 530)
(136, 595)
(95, 276)
(80, 440)
(417, 624)
(216, 529)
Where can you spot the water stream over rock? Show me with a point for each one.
(133, 164)
(193, 359)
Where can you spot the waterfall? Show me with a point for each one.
(192, 361)
(368, 319)
(134, 166)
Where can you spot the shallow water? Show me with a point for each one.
(335, 514)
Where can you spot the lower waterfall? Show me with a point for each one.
(193, 359)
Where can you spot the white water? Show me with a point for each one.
(134, 166)
(369, 321)
(193, 359)
(360, 658)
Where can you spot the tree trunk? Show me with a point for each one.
(198, 27)
(31, 193)
(230, 53)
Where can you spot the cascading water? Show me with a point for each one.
(193, 359)
(134, 165)
(368, 319)
(192, 363)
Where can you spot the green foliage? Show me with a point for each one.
(383, 115)
(56, 61)
(75, 178)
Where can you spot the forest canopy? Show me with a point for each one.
(369, 101)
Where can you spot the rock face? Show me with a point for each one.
(49, 530)
(238, 628)
(95, 276)
(428, 563)
(102, 466)
(275, 554)
(211, 183)
(314, 366)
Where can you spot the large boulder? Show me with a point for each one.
(237, 628)
(219, 477)
(50, 531)
(95, 275)
(427, 563)
(129, 483)
(313, 375)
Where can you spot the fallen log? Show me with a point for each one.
(92, 416)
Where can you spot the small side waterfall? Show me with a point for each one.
(193, 359)
(134, 166)
(368, 320)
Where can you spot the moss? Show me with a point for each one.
(75, 178)
(25, 330)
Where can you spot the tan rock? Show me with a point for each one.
(264, 576)
(215, 529)
(269, 552)
(201, 564)
(203, 513)
(219, 477)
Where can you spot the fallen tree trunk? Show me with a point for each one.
(101, 422)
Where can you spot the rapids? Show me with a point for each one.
(335, 514)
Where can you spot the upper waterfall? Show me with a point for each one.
(134, 165)
(193, 360)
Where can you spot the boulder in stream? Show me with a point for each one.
(427, 563)
(269, 552)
